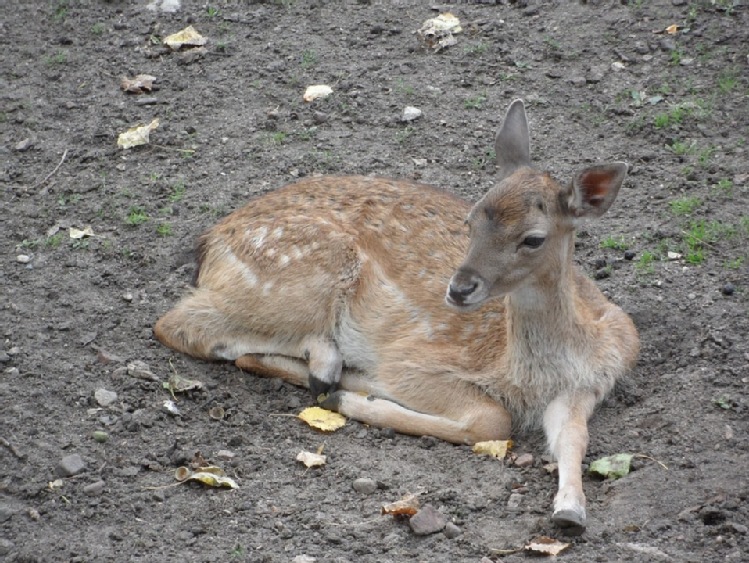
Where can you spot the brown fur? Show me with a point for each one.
(351, 272)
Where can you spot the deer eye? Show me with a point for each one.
(533, 242)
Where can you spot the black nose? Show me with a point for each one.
(459, 291)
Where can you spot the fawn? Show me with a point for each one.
(356, 286)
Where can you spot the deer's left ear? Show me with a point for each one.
(594, 189)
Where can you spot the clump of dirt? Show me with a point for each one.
(88, 447)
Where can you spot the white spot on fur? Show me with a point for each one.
(283, 260)
(277, 232)
(259, 237)
(249, 276)
(267, 286)
(298, 254)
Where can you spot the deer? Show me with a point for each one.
(403, 306)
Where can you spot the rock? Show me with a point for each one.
(304, 559)
(427, 521)
(577, 80)
(514, 500)
(617, 66)
(105, 397)
(524, 460)
(70, 465)
(94, 489)
(6, 511)
(105, 357)
(23, 258)
(24, 145)
(100, 436)
(4, 357)
(629, 255)
(225, 455)
(452, 531)
(365, 486)
(595, 75)
(6, 546)
(191, 56)
(140, 369)
(12, 372)
(411, 113)
(728, 289)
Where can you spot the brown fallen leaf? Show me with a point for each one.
(138, 85)
(408, 506)
(310, 459)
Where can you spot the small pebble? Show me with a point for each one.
(629, 255)
(6, 546)
(24, 145)
(100, 436)
(23, 258)
(4, 357)
(71, 465)
(365, 486)
(105, 397)
(524, 460)
(94, 489)
(514, 500)
(728, 289)
(6, 511)
(12, 372)
(427, 521)
(140, 369)
(411, 113)
(452, 531)
(225, 455)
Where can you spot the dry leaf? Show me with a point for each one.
(137, 135)
(672, 29)
(612, 467)
(138, 85)
(179, 384)
(78, 233)
(544, 545)
(494, 448)
(317, 91)
(322, 419)
(438, 32)
(212, 476)
(408, 506)
(188, 37)
(310, 459)
(56, 484)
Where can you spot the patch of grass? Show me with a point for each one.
(61, 11)
(178, 192)
(705, 156)
(309, 59)
(673, 116)
(476, 102)
(701, 234)
(54, 241)
(685, 205)
(735, 264)
(404, 134)
(402, 88)
(725, 185)
(644, 264)
(614, 243)
(681, 148)
(211, 12)
(59, 58)
(307, 134)
(477, 48)
(136, 216)
(676, 56)
(277, 138)
(164, 230)
(98, 29)
(727, 82)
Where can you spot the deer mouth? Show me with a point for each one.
(466, 292)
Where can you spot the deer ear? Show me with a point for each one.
(594, 189)
(512, 145)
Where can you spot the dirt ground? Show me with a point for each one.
(602, 81)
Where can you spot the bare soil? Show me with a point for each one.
(599, 83)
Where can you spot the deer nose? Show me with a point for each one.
(461, 288)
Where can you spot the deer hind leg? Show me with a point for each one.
(197, 327)
(566, 427)
(466, 416)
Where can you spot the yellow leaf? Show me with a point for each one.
(310, 459)
(137, 135)
(546, 546)
(494, 448)
(672, 29)
(211, 476)
(322, 419)
(188, 37)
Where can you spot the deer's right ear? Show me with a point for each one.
(512, 145)
(594, 189)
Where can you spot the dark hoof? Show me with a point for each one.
(571, 522)
(333, 401)
(319, 387)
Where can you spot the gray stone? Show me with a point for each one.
(71, 465)
(6, 546)
(411, 113)
(427, 521)
(524, 460)
(365, 486)
(94, 489)
(452, 531)
(24, 145)
(105, 397)
(6, 511)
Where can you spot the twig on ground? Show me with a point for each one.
(39, 184)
